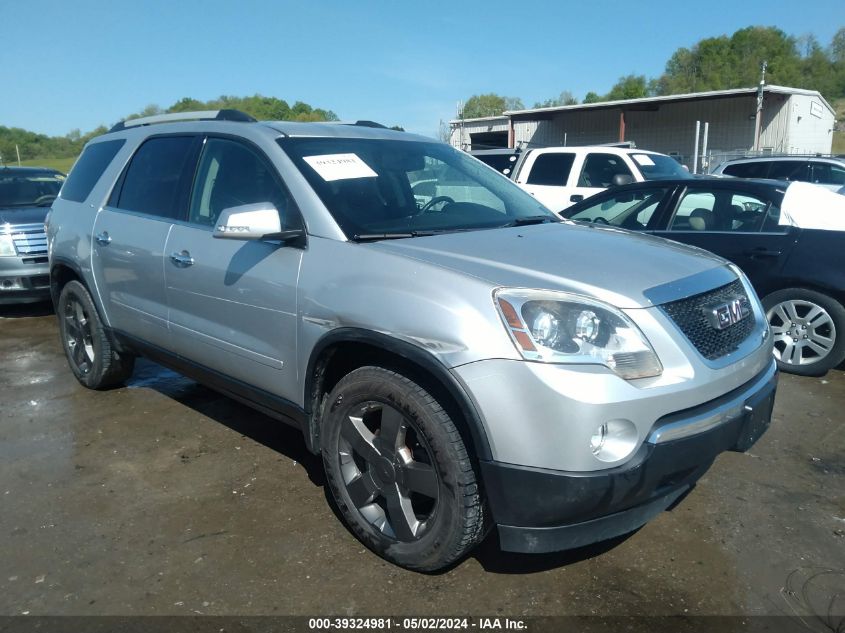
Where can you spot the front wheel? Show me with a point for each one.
(399, 471)
(90, 353)
(808, 329)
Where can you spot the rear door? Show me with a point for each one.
(130, 234)
(232, 302)
(739, 224)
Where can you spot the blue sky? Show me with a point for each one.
(82, 63)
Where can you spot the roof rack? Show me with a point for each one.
(201, 115)
(361, 124)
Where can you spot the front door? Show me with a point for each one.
(232, 302)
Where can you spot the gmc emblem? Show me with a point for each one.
(723, 315)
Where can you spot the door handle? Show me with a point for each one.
(762, 252)
(182, 259)
(103, 238)
(576, 197)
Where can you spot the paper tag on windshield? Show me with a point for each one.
(643, 160)
(340, 166)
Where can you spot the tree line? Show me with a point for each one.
(713, 63)
(33, 145)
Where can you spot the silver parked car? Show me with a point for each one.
(461, 358)
(26, 194)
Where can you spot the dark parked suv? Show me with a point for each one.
(26, 194)
(456, 357)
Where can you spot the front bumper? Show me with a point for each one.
(542, 510)
(24, 281)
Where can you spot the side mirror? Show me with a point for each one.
(622, 179)
(259, 221)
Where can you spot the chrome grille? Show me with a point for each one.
(690, 315)
(29, 239)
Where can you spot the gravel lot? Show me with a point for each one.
(164, 497)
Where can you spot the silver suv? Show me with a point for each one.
(460, 357)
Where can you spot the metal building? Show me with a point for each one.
(794, 121)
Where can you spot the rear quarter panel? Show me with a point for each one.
(817, 261)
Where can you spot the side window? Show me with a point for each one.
(790, 170)
(231, 174)
(746, 213)
(827, 174)
(695, 212)
(599, 170)
(152, 180)
(758, 169)
(88, 169)
(551, 169)
(630, 210)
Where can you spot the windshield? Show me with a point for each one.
(28, 189)
(385, 188)
(659, 167)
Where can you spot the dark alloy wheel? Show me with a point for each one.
(77, 335)
(399, 470)
(89, 351)
(388, 470)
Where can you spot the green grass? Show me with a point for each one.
(838, 143)
(62, 164)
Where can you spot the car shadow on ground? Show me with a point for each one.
(288, 441)
(26, 310)
(274, 434)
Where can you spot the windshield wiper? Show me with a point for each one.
(532, 219)
(374, 237)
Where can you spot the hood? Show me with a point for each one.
(613, 265)
(23, 215)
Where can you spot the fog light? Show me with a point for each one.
(614, 440)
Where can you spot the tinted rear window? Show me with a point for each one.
(551, 169)
(500, 162)
(154, 179)
(88, 169)
(790, 170)
(748, 170)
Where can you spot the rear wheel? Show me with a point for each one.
(808, 329)
(399, 470)
(90, 354)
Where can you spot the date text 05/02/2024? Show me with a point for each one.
(417, 624)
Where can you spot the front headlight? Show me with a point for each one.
(558, 327)
(7, 246)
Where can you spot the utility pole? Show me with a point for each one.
(758, 120)
(18, 152)
(461, 120)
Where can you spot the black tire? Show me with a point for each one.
(389, 443)
(809, 330)
(90, 353)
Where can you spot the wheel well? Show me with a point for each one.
(338, 359)
(60, 275)
(788, 284)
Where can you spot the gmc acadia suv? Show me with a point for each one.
(460, 357)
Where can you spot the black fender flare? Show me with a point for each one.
(413, 354)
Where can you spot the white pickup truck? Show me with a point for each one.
(561, 176)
